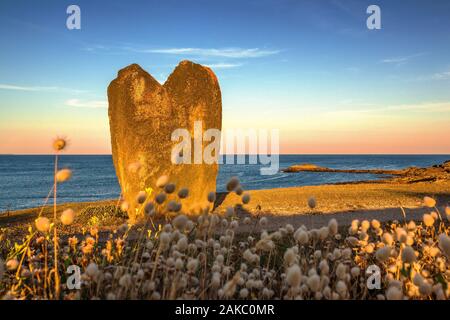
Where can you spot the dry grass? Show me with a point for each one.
(173, 256)
(204, 258)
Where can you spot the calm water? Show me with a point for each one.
(26, 180)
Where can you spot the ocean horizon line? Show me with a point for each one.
(246, 154)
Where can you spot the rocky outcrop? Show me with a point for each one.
(408, 175)
(143, 114)
(314, 168)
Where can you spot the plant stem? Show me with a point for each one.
(55, 234)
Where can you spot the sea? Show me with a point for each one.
(25, 180)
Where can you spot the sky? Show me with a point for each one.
(311, 69)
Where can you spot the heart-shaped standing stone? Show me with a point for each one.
(143, 114)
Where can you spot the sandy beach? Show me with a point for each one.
(344, 202)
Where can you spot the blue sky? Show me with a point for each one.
(309, 68)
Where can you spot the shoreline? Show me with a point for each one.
(345, 202)
(412, 177)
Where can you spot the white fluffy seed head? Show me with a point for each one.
(42, 224)
(59, 144)
(408, 255)
(12, 264)
(180, 222)
(434, 215)
(169, 188)
(313, 283)
(92, 270)
(289, 257)
(160, 198)
(312, 202)
(365, 225)
(383, 253)
(141, 197)
(323, 233)
(149, 209)
(192, 265)
(263, 222)
(444, 244)
(387, 239)
(324, 267)
(352, 241)
(173, 206)
(247, 255)
(67, 217)
(243, 293)
(394, 293)
(375, 224)
(301, 236)
(401, 235)
(425, 288)
(125, 281)
(162, 181)
(333, 226)
(179, 264)
(355, 272)
(215, 280)
(429, 202)
(294, 276)
(229, 212)
(183, 193)
(289, 228)
(417, 279)
(63, 175)
(341, 288)
(245, 198)
(232, 183)
(411, 226)
(428, 220)
(341, 271)
(317, 254)
(164, 238)
(211, 197)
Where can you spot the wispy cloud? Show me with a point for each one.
(223, 65)
(87, 103)
(37, 88)
(441, 75)
(444, 75)
(403, 59)
(423, 107)
(239, 53)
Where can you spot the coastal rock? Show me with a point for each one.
(440, 172)
(307, 167)
(142, 116)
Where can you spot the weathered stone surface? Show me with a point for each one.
(143, 114)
